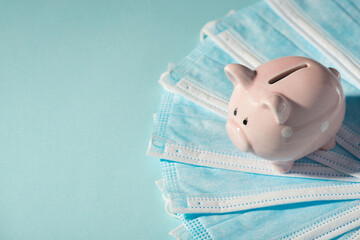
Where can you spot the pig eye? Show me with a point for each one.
(235, 112)
(245, 121)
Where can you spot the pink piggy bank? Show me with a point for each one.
(285, 109)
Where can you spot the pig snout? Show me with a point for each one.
(237, 135)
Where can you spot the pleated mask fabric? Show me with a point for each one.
(314, 220)
(193, 190)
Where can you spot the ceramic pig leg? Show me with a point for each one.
(282, 166)
(329, 145)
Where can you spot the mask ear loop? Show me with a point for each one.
(203, 32)
(210, 24)
(167, 207)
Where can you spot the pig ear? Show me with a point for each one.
(335, 72)
(279, 106)
(239, 75)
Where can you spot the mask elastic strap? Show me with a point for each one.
(167, 207)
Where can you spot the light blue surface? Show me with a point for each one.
(78, 86)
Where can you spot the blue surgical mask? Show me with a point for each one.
(200, 78)
(195, 190)
(298, 221)
(188, 133)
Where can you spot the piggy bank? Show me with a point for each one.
(285, 109)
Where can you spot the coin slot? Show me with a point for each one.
(286, 73)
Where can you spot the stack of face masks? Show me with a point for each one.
(219, 192)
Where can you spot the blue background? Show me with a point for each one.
(78, 87)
